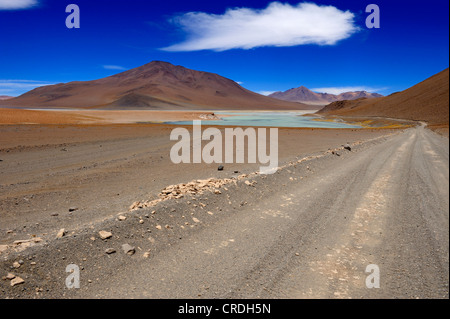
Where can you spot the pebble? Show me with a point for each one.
(17, 281)
(104, 234)
(127, 249)
(61, 233)
(10, 276)
(110, 251)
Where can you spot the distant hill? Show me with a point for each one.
(427, 101)
(305, 95)
(5, 97)
(156, 85)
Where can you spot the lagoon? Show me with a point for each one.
(270, 119)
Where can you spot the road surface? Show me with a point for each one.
(308, 231)
(387, 205)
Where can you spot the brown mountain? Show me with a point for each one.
(427, 101)
(5, 97)
(157, 85)
(305, 95)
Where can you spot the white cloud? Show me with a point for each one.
(279, 25)
(114, 67)
(343, 89)
(22, 84)
(17, 4)
(266, 92)
(17, 87)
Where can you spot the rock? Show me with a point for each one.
(21, 241)
(27, 242)
(17, 281)
(121, 218)
(220, 168)
(104, 234)
(54, 214)
(136, 205)
(347, 147)
(16, 265)
(110, 251)
(127, 249)
(10, 276)
(146, 254)
(3, 248)
(72, 209)
(236, 172)
(158, 227)
(335, 153)
(217, 192)
(141, 221)
(250, 183)
(61, 233)
(195, 220)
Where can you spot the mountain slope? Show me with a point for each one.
(305, 95)
(427, 101)
(157, 85)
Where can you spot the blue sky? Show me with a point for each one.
(323, 45)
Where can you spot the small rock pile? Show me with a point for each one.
(195, 187)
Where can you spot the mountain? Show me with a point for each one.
(156, 85)
(5, 97)
(427, 101)
(305, 95)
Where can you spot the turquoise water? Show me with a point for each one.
(269, 119)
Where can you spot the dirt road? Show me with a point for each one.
(308, 231)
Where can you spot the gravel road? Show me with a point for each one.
(308, 231)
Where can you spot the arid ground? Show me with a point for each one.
(81, 178)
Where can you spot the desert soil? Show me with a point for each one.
(307, 231)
